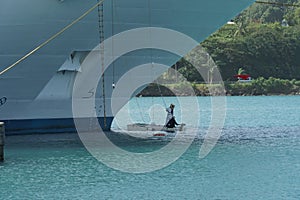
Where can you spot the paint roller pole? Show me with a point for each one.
(2, 137)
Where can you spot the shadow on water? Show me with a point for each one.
(238, 135)
(72, 140)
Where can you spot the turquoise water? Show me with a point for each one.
(257, 157)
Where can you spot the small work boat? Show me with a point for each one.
(153, 127)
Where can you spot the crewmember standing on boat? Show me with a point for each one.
(170, 121)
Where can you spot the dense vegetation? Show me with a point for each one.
(262, 86)
(259, 86)
(264, 41)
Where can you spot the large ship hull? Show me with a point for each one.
(36, 94)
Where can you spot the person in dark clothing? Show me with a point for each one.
(170, 121)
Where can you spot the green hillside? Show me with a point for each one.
(264, 40)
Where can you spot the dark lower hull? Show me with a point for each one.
(63, 125)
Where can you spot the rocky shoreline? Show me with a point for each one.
(232, 89)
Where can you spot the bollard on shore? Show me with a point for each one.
(2, 138)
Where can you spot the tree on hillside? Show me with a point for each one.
(293, 17)
(257, 42)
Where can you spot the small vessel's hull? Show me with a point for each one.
(153, 127)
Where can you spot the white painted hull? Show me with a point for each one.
(153, 127)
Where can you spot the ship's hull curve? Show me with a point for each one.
(36, 96)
